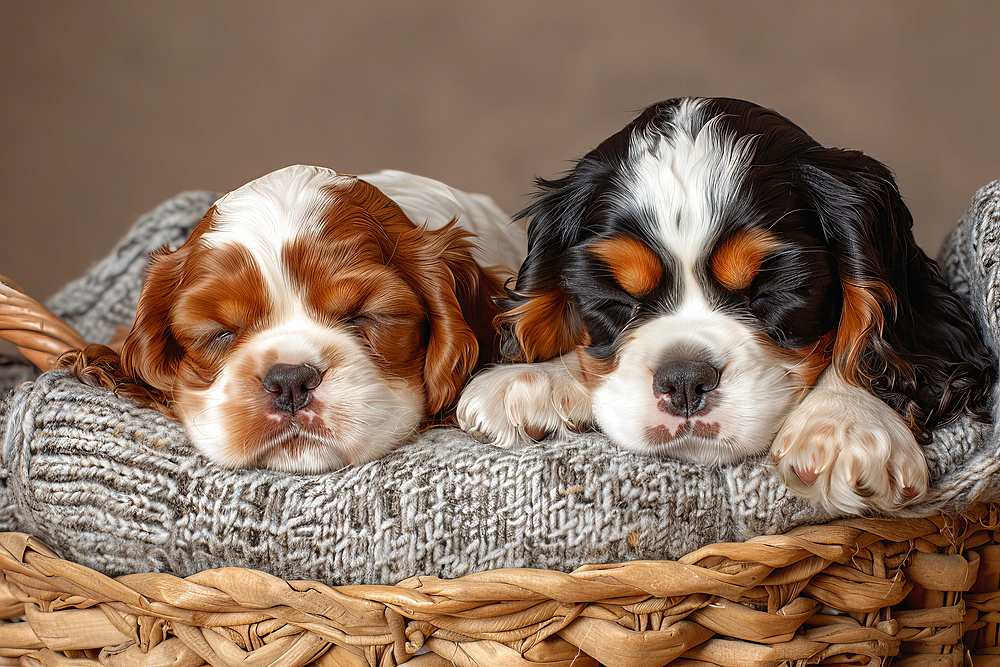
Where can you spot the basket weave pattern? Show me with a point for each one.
(852, 591)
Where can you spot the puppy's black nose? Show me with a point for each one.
(291, 386)
(684, 386)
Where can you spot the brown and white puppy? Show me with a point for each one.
(311, 321)
(711, 280)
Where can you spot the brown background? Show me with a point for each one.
(107, 108)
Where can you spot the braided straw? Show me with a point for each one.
(40, 335)
(852, 591)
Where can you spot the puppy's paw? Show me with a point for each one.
(849, 452)
(521, 403)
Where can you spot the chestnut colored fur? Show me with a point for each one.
(413, 299)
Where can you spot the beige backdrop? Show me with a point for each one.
(107, 108)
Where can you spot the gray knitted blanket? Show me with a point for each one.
(119, 489)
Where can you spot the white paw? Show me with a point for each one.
(520, 403)
(849, 452)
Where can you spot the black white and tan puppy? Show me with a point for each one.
(711, 280)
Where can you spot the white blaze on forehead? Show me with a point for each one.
(682, 181)
(276, 207)
(264, 214)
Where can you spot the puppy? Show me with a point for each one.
(711, 280)
(309, 322)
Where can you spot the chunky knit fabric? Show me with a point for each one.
(119, 489)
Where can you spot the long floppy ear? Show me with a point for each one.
(150, 353)
(539, 320)
(459, 297)
(903, 333)
(144, 369)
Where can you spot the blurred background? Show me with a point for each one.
(108, 108)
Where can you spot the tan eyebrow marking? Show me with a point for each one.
(737, 260)
(635, 267)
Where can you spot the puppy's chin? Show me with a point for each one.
(356, 415)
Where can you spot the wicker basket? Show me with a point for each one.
(852, 591)
(855, 591)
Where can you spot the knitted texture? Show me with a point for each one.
(119, 489)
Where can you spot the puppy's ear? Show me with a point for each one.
(539, 320)
(150, 353)
(903, 333)
(459, 297)
(143, 370)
